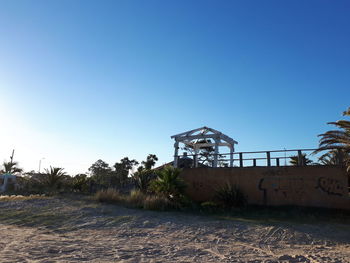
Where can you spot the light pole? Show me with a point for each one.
(40, 163)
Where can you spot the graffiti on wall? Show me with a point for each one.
(330, 186)
(281, 187)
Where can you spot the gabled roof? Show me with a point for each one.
(192, 137)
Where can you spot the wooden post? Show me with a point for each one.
(231, 156)
(277, 161)
(268, 157)
(195, 157)
(215, 164)
(176, 146)
(254, 162)
(241, 159)
(300, 158)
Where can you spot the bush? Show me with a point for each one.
(230, 196)
(53, 181)
(109, 196)
(168, 184)
(142, 179)
(136, 199)
(80, 183)
(158, 203)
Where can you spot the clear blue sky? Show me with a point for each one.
(83, 80)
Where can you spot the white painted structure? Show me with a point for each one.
(194, 139)
(5, 179)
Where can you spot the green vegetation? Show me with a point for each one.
(168, 184)
(141, 186)
(142, 179)
(136, 199)
(10, 168)
(294, 160)
(230, 196)
(337, 140)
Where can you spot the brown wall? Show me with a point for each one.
(316, 186)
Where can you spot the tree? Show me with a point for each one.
(101, 172)
(332, 157)
(53, 178)
(11, 168)
(338, 139)
(142, 179)
(294, 160)
(150, 161)
(122, 170)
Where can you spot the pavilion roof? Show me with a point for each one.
(196, 137)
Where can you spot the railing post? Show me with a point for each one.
(176, 148)
(254, 162)
(277, 162)
(241, 159)
(268, 157)
(300, 158)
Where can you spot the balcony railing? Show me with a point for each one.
(257, 158)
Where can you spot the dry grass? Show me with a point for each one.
(157, 203)
(6, 198)
(109, 196)
(136, 199)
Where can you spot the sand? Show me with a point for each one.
(62, 230)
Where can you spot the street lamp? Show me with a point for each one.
(40, 163)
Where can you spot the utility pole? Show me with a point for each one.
(11, 157)
(40, 163)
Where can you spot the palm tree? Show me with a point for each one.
(294, 160)
(338, 139)
(332, 157)
(168, 183)
(142, 179)
(11, 168)
(53, 178)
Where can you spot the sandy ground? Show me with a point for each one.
(61, 230)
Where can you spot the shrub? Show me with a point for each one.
(109, 196)
(142, 179)
(80, 183)
(230, 196)
(136, 199)
(159, 203)
(168, 184)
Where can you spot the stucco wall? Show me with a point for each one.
(315, 186)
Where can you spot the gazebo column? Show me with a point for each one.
(176, 157)
(216, 153)
(195, 156)
(231, 155)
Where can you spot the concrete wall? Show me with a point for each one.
(314, 186)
